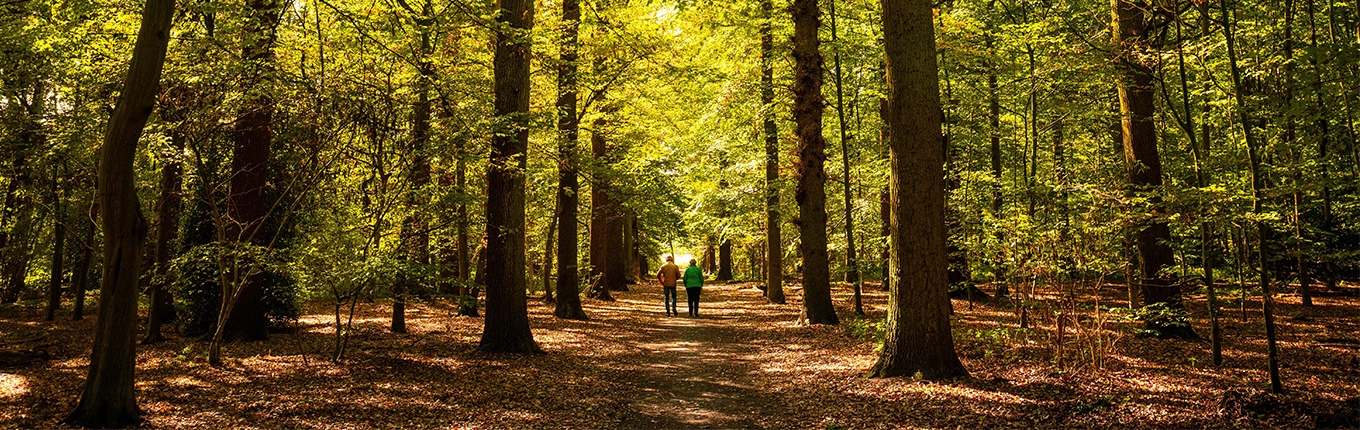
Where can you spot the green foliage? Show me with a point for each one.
(1159, 319)
(999, 341)
(866, 329)
(197, 282)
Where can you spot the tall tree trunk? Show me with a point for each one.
(80, 276)
(415, 235)
(851, 262)
(58, 248)
(109, 398)
(1323, 124)
(1257, 185)
(606, 221)
(548, 237)
(507, 315)
(918, 340)
(993, 115)
(810, 168)
(467, 308)
(1140, 153)
(167, 226)
(1295, 154)
(1200, 150)
(248, 204)
(568, 181)
(774, 242)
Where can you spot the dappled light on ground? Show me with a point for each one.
(742, 363)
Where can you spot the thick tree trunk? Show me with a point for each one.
(247, 204)
(811, 170)
(109, 397)
(568, 181)
(918, 340)
(507, 315)
(167, 233)
(774, 244)
(1140, 151)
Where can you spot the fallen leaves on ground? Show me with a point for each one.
(742, 363)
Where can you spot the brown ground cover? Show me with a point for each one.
(743, 363)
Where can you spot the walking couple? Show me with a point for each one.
(693, 280)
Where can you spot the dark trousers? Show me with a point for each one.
(692, 293)
(671, 305)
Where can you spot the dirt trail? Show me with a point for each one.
(697, 372)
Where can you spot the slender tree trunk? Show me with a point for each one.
(568, 185)
(918, 340)
(80, 276)
(167, 232)
(774, 244)
(548, 236)
(851, 262)
(1323, 124)
(507, 315)
(1257, 185)
(606, 221)
(109, 398)
(415, 236)
(467, 308)
(724, 261)
(810, 169)
(1200, 150)
(58, 248)
(1295, 153)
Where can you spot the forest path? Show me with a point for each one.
(698, 372)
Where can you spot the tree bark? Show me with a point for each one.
(247, 206)
(774, 245)
(415, 235)
(58, 249)
(109, 397)
(568, 181)
(80, 276)
(507, 316)
(724, 261)
(1140, 149)
(167, 227)
(810, 168)
(918, 340)
(606, 221)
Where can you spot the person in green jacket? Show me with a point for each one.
(694, 284)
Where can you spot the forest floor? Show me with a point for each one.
(742, 363)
